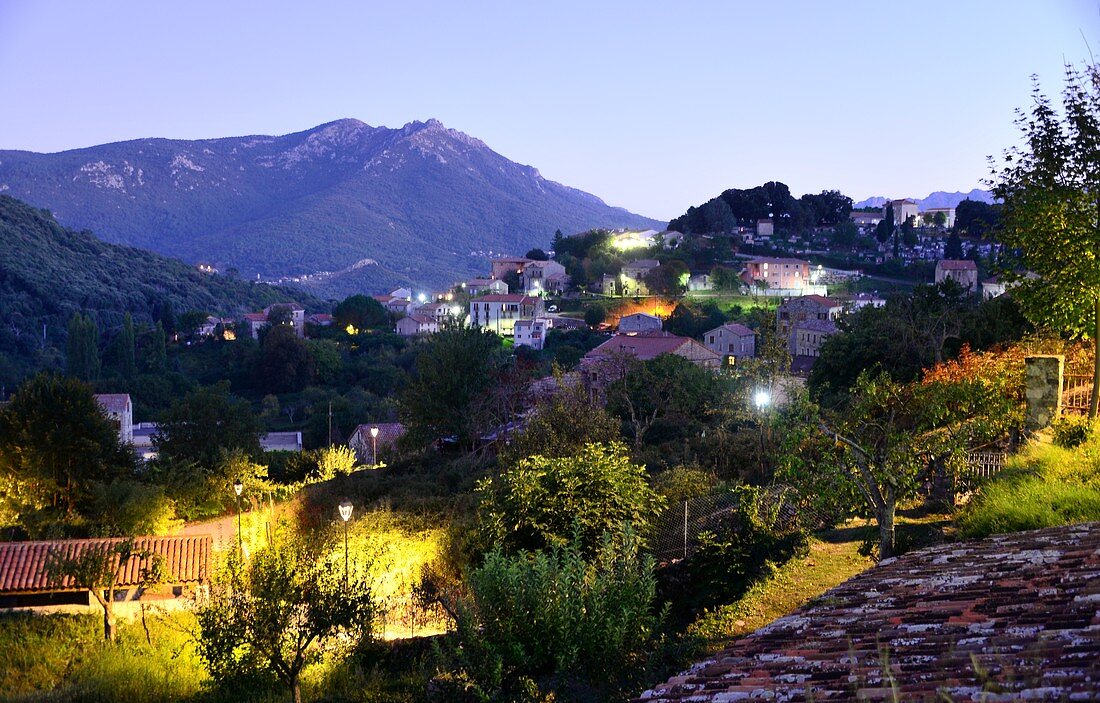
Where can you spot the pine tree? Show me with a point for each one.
(122, 349)
(158, 355)
(82, 348)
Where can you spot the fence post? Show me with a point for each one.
(685, 529)
(1042, 390)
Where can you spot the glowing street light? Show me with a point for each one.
(374, 445)
(762, 399)
(422, 298)
(238, 488)
(345, 509)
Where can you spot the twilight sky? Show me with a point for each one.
(651, 105)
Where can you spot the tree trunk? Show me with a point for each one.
(886, 529)
(1095, 395)
(108, 617)
(295, 690)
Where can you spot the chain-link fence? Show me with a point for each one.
(677, 532)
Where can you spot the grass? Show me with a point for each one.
(833, 558)
(1043, 486)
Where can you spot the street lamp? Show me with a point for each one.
(345, 515)
(374, 445)
(762, 398)
(238, 488)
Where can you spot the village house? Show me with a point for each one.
(415, 325)
(499, 313)
(394, 304)
(961, 271)
(258, 320)
(608, 362)
(508, 264)
(531, 333)
(809, 335)
(765, 229)
(639, 322)
(364, 442)
(120, 410)
(807, 307)
(319, 319)
(948, 213)
(477, 286)
(539, 276)
(777, 273)
(143, 440)
(731, 341)
(866, 221)
(25, 582)
(439, 312)
(903, 210)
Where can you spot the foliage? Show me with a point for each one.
(1051, 214)
(555, 612)
(284, 609)
(560, 425)
(690, 319)
(682, 483)
(668, 395)
(285, 363)
(976, 219)
(1042, 486)
(1070, 431)
(455, 371)
(98, 568)
(55, 444)
(82, 348)
(203, 425)
(670, 278)
(549, 501)
(332, 461)
(359, 311)
(771, 200)
(131, 508)
(746, 545)
(594, 315)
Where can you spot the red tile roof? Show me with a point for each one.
(819, 299)
(1021, 611)
(23, 564)
(957, 265)
(646, 346)
(113, 402)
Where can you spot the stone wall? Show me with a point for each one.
(1043, 390)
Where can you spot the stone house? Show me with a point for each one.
(531, 333)
(608, 362)
(257, 320)
(731, 341)
(807, 307)
(120, 410)
(415, 325)
(477, 286)
(961, 271)
(639, 322)
(363, 444)
(540, 276)
(809, 335)
(777, 273)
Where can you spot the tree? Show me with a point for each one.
(82, 348)
(594, 315)
(359, 312)
(668, 391)
(332, 461)
(55, 442)
(191, 321)
(724, 278)
(536, 255)
(1051, 214)
(285, 609)
(909, 231)
(204, 424)
(544, 501)
(453, 373)
(285, 364)
(561, 425)
(99, 567)
(670, 278)
(977, 219)
(953, 249)
(157, 361)
(845, 234)
(885, 228)
(938, 219)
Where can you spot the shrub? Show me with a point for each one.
(1071, 430)
(554, 612)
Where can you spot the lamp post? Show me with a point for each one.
(762, 399)
(374, 446)
(345, 515)
(238, 488)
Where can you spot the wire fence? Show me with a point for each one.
(678, 532)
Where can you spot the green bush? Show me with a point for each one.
(1071, 430)
(553, 613)
(1043, 486)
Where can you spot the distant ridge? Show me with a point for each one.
(938, 199)
(346, 205)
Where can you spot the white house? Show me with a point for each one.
(477, 286)
(499, 313)
(414, 325)
(281, 442)
(639, 322)
(539, 276)
(731, 341)
(531, 333)
(296, 313)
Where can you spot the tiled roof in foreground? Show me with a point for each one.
(1012, 617)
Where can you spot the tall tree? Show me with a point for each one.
(954, 247)
(157, 359)
(1050, 187)
(82, 348)
(359, 312)
(123, 349)
(205, 424)
(285, 364)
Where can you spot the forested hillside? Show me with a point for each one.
(48, 272)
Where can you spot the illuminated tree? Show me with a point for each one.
(1051, 214)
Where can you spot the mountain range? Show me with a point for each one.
(934, 200)
(340, 208)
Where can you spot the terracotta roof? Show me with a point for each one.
(818, 299)
(23, 564)
(957, 265)
(505, 298)
(113, 402)
(645, 346)
(255, 316)
(1020, 611)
